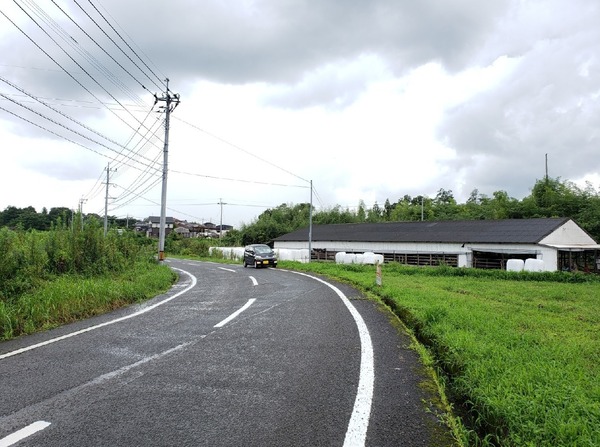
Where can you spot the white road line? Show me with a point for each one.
(107, 323)
(236, 313)
(23, 433)
(227, 270)
(356, 434)
(254, 281)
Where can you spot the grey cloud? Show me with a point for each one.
(279, 42)
(549, 104)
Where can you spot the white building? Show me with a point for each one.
(559, 243)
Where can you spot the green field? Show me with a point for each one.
(519, 357)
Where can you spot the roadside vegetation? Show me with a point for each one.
(48, 278)
(549, 198)
(518, 354)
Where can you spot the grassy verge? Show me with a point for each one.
(70, 297)
(520, 357)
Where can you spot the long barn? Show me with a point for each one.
(559, 243)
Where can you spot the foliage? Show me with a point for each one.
(520, 352)
(70, 297)
(29, 219)
(197, 247)
(548, 198)
(30, 257)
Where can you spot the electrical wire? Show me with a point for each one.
(6, 81)
(67, 128)
(124, 41)
(70, 57)
(78, 48)
(241, 149)
(100, 46)
(237, 180)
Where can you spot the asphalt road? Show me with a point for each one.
(228, 357)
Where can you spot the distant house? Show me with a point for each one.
(154, 226)
(141, 227)
(183, 232)
(559, 243)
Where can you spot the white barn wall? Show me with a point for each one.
(568, 234)
(465, 259)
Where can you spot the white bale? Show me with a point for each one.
(534, 265)
(368, 257)
(371, 258)
(350, 258)
(339, 257)
(515, 265)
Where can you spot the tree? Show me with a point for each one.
(361, 213)
(445, 207)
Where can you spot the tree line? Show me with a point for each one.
(549, 197)
(29, 219)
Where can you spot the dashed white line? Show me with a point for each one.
(25, 432)
(236, 313)
(227, 270)
(253, 279)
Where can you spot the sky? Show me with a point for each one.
(367, 100)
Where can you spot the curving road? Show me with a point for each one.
(228, 357)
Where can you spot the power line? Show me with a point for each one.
(65, 127)
(241, 149)
(78, 48)
(79, 103)
(237, 180)
(64, 69)
(100, 46)
(162, 76)
(6, 81)
(125, 42)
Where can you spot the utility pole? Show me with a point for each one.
(171, 101)
(221, 224)
(81, 202)
(310, 213)
(108, 170)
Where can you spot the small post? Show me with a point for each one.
(378, 273)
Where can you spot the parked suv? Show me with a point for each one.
(259, 255)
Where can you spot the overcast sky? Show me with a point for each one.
(371, 100)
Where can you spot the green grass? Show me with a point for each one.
(520, 357)
(71, 297)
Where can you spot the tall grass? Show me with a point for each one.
(50, 278)
(72, 297)
(520, 353)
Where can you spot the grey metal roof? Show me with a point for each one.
(509, 231)
(156, 219)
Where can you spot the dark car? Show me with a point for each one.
(259, 255)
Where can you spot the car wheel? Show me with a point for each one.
(245, 265)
